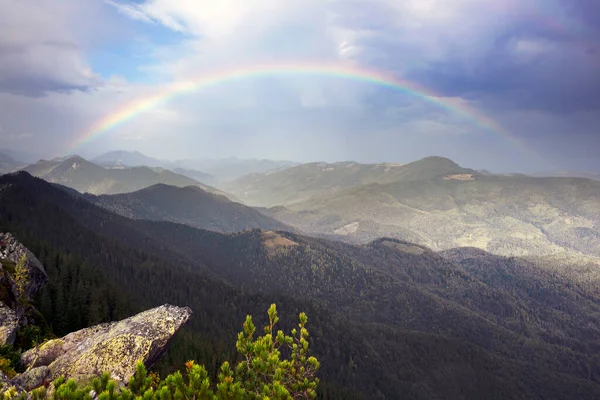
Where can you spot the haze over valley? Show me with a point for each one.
(269, 199)
(417, 248)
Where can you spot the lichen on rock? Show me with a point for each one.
(115, 347)
(11, 251)
(31, 379)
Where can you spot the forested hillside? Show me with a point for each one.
(189, 205)
(86, 177)
(388, 320)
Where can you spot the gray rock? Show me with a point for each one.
(31, 379)
(115, 347)
(9, 325)
(11, 250)
(47, 352)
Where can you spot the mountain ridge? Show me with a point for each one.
(307, 181)
(190, 205)
(406, 304)
(440, 206)
(128, 158)
(84, 176)
(208, 171)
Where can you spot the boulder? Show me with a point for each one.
(114, 347)
(9, 325)
(31, 379)
(48, 352)
(12, 251)
(15, 310)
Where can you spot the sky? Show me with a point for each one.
(511, 85)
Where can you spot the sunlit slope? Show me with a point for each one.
(307, 181)
(510, 215)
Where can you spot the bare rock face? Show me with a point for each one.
(17, 288)
(114, 347)
(11, 252)
(9, 325)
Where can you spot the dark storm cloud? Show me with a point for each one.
(565, 79)
(525, 59)
(525, 66)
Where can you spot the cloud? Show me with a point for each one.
(41, 46)
(514, 54)
(131, 11)
(530, 65)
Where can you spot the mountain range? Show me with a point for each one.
(227, 169)
(127, 159)
(427, 280)
(433, 202)
(189, 205)
(390, 319)
(208, 171)
(86, 177)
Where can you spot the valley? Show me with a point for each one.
(425, 267)
(299, 200)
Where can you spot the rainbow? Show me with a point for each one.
(142, 105)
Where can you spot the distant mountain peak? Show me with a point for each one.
(437, 161)
(70, 157)
(82, 175)
(188, 205)
(127, 158)
(436, 167)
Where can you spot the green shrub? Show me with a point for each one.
(21, 277)
(9, 360)
(263, 373)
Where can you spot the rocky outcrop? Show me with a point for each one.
(31, 379)
(11, 252)
(114, 347)
(17, 286)
(9, 324)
